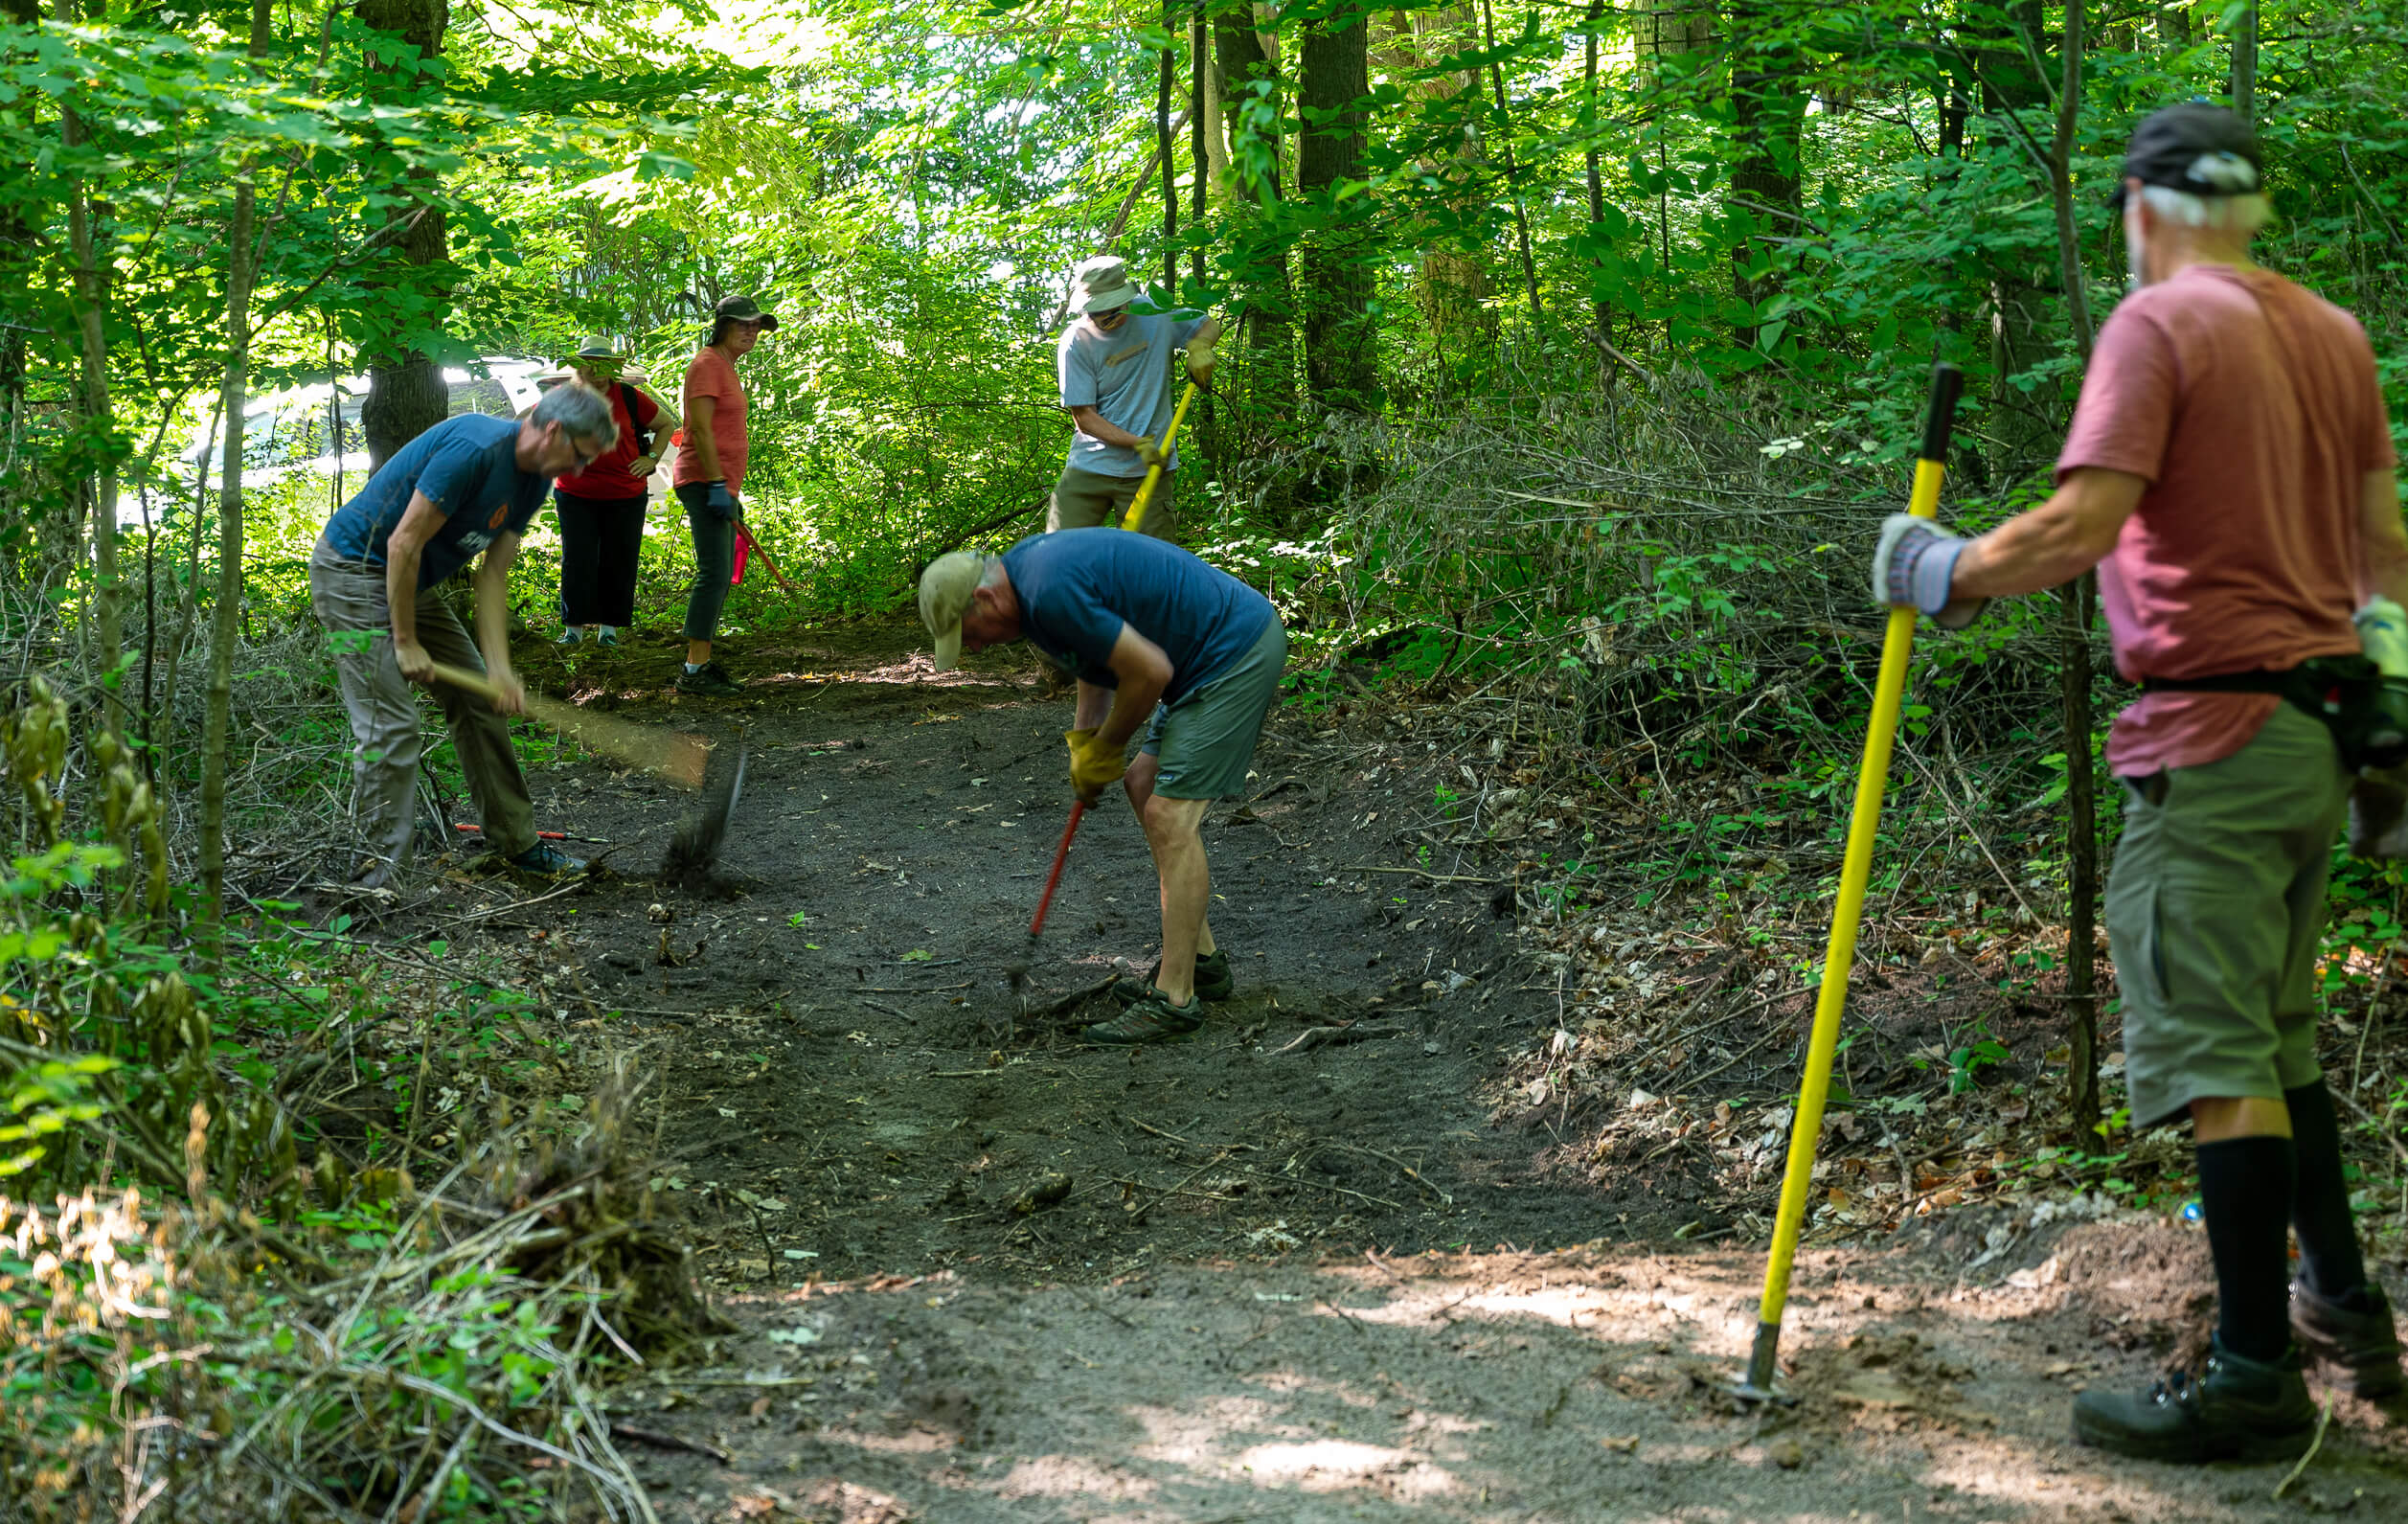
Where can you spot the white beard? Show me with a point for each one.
(2135, 251)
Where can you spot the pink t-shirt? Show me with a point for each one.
(2251, 409)
(713, 374)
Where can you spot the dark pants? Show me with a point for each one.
(601, 538)
(715, 562)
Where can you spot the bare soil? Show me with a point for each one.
(1310, 1266)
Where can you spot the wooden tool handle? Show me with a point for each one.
(466, 681)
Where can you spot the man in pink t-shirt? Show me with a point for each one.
(711, 481)
(2230, 473)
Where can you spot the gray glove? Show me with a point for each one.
(719, 500)
(1914, 563)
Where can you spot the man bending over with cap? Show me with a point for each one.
(1156, 638)
(470, 484)
(2230, 473)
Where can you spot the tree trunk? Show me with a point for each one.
(226, 616)
(1513, 172)
(1767, 107)
(94, 481)
(1450, 288)
(1600, 312)
(2076, 598)
(1169, 75)
(1265, 381)
(2244, 63)
(1332, 82)
(406, 393)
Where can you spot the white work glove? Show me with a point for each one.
(1914, 563)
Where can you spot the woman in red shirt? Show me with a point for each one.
(602, 508)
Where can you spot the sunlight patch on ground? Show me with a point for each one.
(1072, 1476)
(1325, 1465)
(1183, 1436)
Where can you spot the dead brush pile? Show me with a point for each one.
(223, 1296)
(171, 1361)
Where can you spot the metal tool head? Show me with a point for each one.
(696, 844)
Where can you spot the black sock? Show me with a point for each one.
(2245, 1196)
(2320, 1199)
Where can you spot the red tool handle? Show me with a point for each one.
(1052, 881)
(541, 835)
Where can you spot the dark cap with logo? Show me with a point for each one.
(2200, 148)
(743, 310)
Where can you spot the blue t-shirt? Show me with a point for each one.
(1077, 586)
(467, 466)
(1125, 376)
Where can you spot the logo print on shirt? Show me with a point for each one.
(500, 513)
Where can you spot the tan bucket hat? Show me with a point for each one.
(1101, 284)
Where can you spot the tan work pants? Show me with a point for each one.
(349, 597)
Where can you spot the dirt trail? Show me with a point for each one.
(986, 1273)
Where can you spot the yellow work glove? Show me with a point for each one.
(1150, 451)
(1200, 361)
(1093, 764)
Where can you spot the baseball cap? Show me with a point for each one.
(2194, 147)
(944, 597)
(745, 309)
(1100, 284)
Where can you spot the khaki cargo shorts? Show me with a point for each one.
(1204, 741)
(1085, 499)
(2216, 910)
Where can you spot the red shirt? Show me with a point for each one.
(2252, 410)
(608, 477)
(713, 374)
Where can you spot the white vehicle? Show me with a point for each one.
(316, 427)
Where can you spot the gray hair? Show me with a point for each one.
(581, 412)
(2222, 214)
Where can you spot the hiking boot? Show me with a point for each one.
(1213, 980)
(2236, 1409)
(2353, 1333)
(569, 635)
(544, 860)
(1153, 1019)
(608, 635)
(710, 680)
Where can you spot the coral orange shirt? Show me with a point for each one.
(2252, 410)
(713, 374)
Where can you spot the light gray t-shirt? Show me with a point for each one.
(1125, 376)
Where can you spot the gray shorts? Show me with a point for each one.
(1205, 739)
(1085, 499)
(2216, 910)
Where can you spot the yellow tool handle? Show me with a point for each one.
(1135, 519)
(1948, 382)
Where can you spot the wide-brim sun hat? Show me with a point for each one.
(1100, 285)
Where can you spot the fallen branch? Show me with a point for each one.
(667, 1441)
(1311, 1037)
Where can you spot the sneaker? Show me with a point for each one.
(708, 681)
(608, 635)
(1153, 1019)
(1213, 980)
(2353, 1333)
(547, 861)
(569, 636)
(2236, 1409)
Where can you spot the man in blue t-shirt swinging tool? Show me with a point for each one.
(469, 484)
(1155, 637)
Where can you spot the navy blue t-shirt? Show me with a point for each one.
(1077, 586)
(467, 466)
